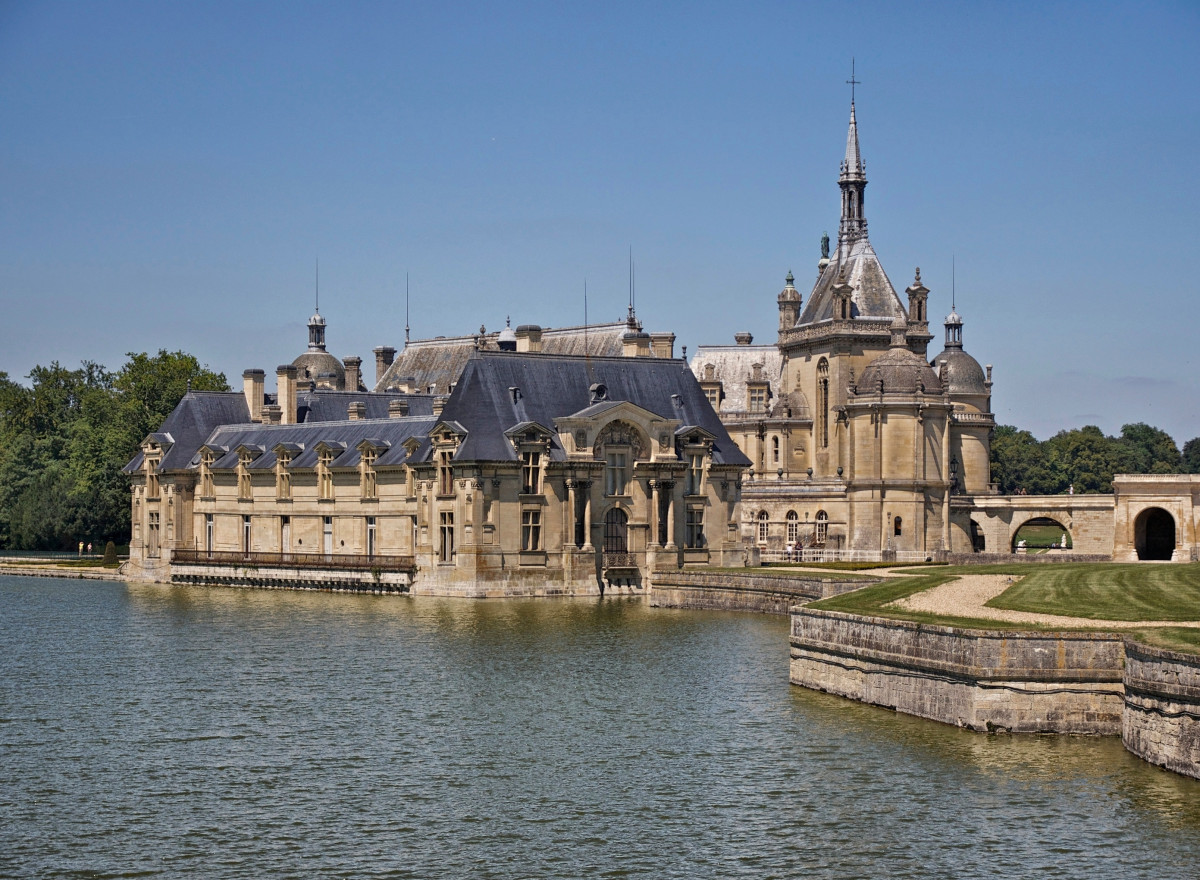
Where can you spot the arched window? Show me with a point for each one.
(822, 526)
(793, 527)
(897, 527)
(764, 523)
(823, 402)
(616, 531)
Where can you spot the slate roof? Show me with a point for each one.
(552, 387)
(439, 362)
(733, 365)
(334, 406)
(873, 297)
(346, 435)
(192, 421)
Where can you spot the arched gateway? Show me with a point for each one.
(1154, 534)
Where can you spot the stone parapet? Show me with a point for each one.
(734, 591)
(1161, 723)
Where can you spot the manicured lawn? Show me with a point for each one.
(1108, 591)
(1173, 638)
(788, 571)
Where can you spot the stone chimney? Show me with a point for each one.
(439, 403)
(397, 409)
(743, 338)
(384, 355)
(635, 343)
(356, 410)
(663, 345)
(253, 383)
(271, 414)
(285, 392)
(353, 366)
(529, 338)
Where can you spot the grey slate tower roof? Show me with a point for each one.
(874, 296)
(963, 373)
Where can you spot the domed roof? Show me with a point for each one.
(901, 371)
(789, 292)
(312, 364)
(963, 373)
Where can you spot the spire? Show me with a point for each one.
(953, 321)
(316, 324)
(852, 180)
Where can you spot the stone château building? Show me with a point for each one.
(491, 466)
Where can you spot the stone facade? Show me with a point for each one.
(1162, 708)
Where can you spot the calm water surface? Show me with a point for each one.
(159, 731)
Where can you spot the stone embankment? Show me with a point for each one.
(749, 591)
(62, 571)
(1017, 681)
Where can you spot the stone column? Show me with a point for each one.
(670, 487)
(654, 496)
(587, 515)
(569, 537)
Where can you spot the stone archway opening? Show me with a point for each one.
(1154, 534)
(1042, 534)
(978, 540)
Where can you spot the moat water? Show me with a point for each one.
(156, 731)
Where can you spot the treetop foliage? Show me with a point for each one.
(65, 437)
(1084, 458)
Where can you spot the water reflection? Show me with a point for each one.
(229, 733)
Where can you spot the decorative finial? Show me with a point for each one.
(406, 309)
(791, 280)
(918, 281)
(317, 287)
(482, 330)
(507, 322)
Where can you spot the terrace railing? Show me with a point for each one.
(327, 561)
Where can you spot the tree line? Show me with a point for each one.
(1085, 459)
(66, 435)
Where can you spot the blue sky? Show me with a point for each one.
(169, 173)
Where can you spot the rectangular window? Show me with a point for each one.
(758, 399)
(244, 492)
(531, 473)
(531, 530)
(446, 550)
(152, 478)
(324, 475)
(370, 536)
(445, 474)
(285, 534)
(695, 527)
(152, 535)
(714, 397)
(367, 474)
(695, 474)
(327, 536)
(615, 473)
(246, 534)
(283, 477)
(208, 533)
(206, 477)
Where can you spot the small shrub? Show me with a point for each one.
(110, 554)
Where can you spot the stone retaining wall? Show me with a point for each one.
(735, 591)
(1162, 707)
(1033, 558)
(981, 680)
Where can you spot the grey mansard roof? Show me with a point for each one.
(873, 297)
(192, 421)
(343, 436)
(439, 362)
(550, 388)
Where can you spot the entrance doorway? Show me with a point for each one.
(1154, 534)
(616, 531)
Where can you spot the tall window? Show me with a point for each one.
(775, 450)
(695, 527)
(446, 550)
(152, 490)
(324, 474)
(616, 473)
(327, 536)
(243, 475)
(371, 534)
(208, 534)
(822, 527)
(285, 534)
(366, 476)
(152, 535)
(531, 529)
(695, 474)
(714, 397)
(445, 473)
(764, 526)
(758, 398)
(283, 477)
(531, 472)
(616, 531)
(793, 527)
(897, 527)
(247, 535)
(823, 401)
(206, 477)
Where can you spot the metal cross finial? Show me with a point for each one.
(852, 82)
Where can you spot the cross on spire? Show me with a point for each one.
(852, 82)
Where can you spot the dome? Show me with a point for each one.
(901, 371)
(963, 373)
(312, 364)
(789, 292)
(316, 320)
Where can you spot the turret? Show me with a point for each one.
(853, 183)
(789, 304)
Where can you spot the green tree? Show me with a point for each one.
(1084, 457)
(1142, 449)
(1019, 463)
(1191, 456)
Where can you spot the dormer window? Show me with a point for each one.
(616, 472)
(531, 472)
(206, 477)
(695, 474)
(245, 490)
(152, 487)
(445, 472)
(366, 473)
(325, 474)
(757, 397)
(283, 477)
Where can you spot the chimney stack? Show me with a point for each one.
(439, 403)
(384, 355)
(529, 338)
(397, 409)
(285, 392)
(271, 414)
(357, 410)
(663, 345)
(353, 366)
(253, 382)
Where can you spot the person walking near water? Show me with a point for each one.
(81, 548)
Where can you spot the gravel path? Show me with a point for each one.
(965, 597)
